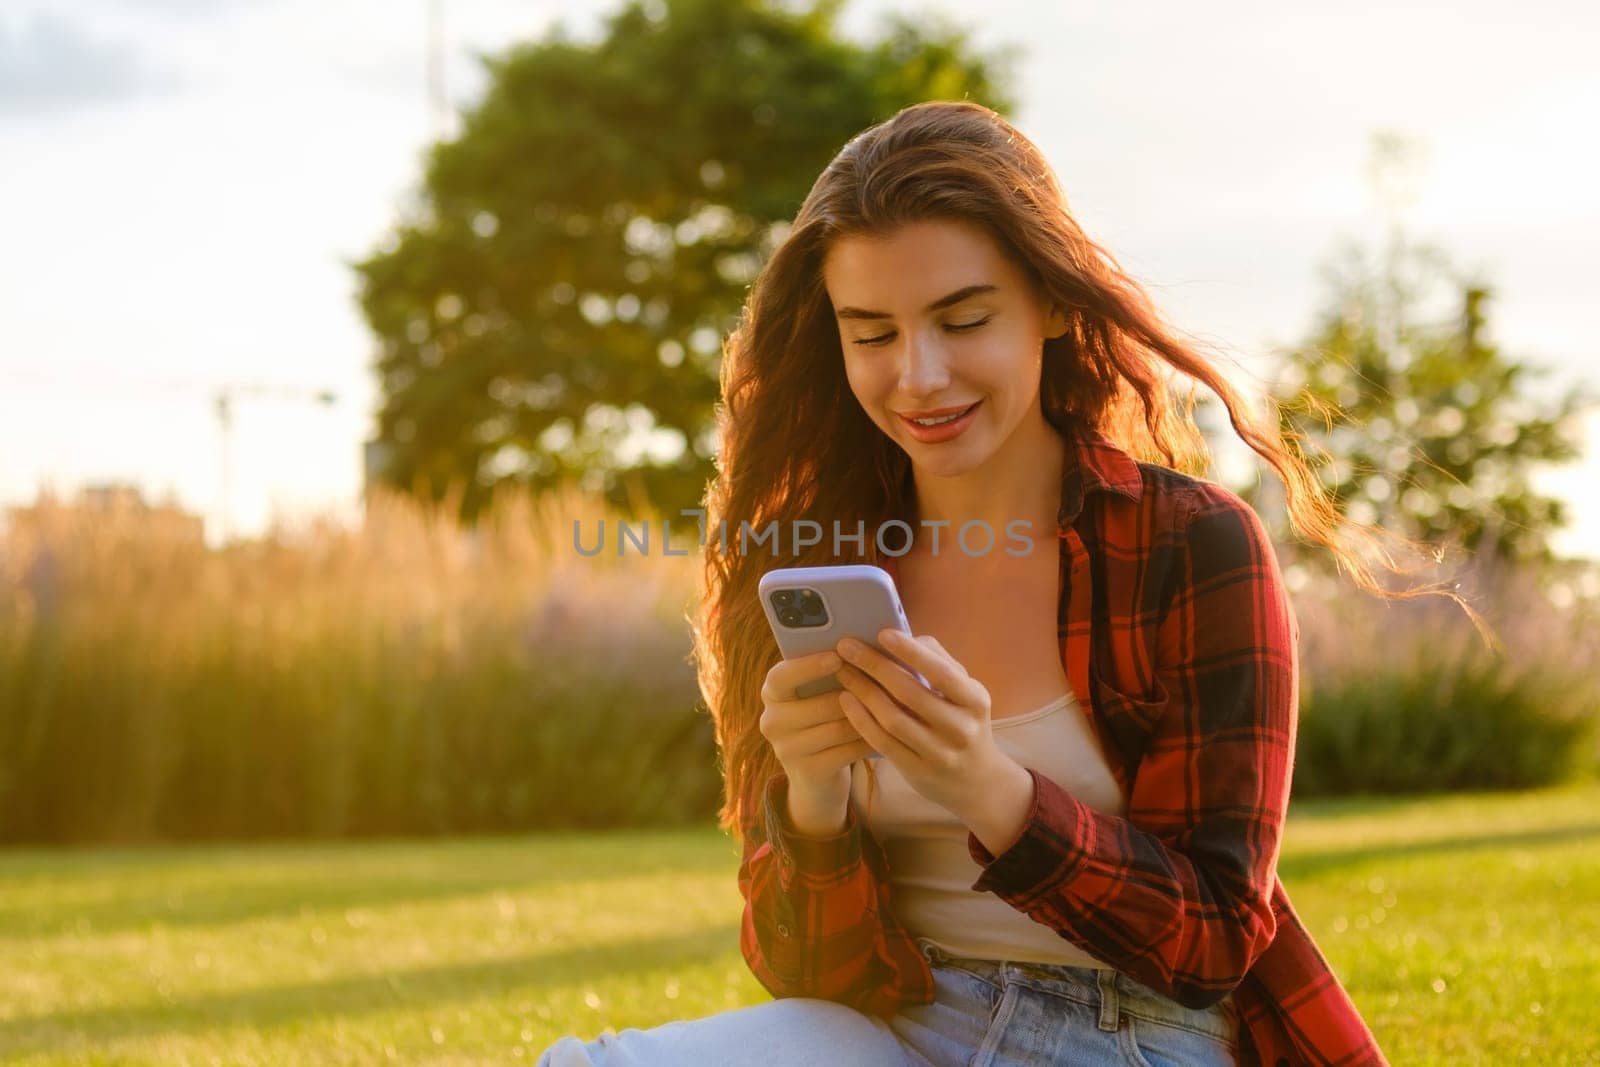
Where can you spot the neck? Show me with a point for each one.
(1020, 481)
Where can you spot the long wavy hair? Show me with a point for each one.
(795, 444)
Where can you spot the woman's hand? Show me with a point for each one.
(814, 744)
(940, 741)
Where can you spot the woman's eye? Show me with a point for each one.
(954, 327)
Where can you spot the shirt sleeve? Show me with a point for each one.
(1178, 893)
(817, 921)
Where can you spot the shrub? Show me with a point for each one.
(1404, 697)
(408, 676)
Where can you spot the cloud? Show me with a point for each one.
(50, 64)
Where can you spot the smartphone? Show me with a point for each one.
(811, 608)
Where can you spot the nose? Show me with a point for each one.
(923, 370)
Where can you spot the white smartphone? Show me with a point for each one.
(811, 608)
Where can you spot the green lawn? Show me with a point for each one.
(1468, 929)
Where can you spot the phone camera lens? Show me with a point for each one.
(790, 617)
(783, 597)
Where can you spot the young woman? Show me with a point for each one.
(1068, 852)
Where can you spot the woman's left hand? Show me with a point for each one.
(942, 744)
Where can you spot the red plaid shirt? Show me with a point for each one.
(1176, 624)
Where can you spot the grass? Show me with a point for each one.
(1466, 927)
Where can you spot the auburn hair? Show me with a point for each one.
(795, 445)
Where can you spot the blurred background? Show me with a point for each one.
(321, 325)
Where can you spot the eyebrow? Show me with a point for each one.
(943, 302)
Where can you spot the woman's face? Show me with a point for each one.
(935, 318)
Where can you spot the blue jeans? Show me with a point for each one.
(986, 1013)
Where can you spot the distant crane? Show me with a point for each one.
(224, 397)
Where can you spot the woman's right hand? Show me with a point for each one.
(811, 736)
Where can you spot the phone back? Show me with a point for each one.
(855, 600)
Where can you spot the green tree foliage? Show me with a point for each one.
(1417, 419)
(556, 307)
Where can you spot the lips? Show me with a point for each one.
(944, 431)
(936, 413)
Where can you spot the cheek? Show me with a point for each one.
(866, 380)
(1013, 362)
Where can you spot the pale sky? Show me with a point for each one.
(183, 181)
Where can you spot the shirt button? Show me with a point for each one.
(783, 930)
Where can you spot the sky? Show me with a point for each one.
(183, 184)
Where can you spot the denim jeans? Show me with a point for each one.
(986, 1013)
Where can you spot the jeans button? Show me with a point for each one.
(783, 930)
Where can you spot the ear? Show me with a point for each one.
(1057, 323)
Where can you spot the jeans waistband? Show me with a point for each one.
(1109, 991)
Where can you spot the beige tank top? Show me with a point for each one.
(930, 871)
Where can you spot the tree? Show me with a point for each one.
(555, 307)
(1419, 421)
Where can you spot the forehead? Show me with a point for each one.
(914, 264)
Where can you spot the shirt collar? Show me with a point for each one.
(1093, 463)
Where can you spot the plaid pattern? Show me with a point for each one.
(1175, 622)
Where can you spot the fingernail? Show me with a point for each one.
(832, 662)
(849, 648)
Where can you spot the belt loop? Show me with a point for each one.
(1110, 1011)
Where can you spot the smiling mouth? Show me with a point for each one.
(928, 422)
